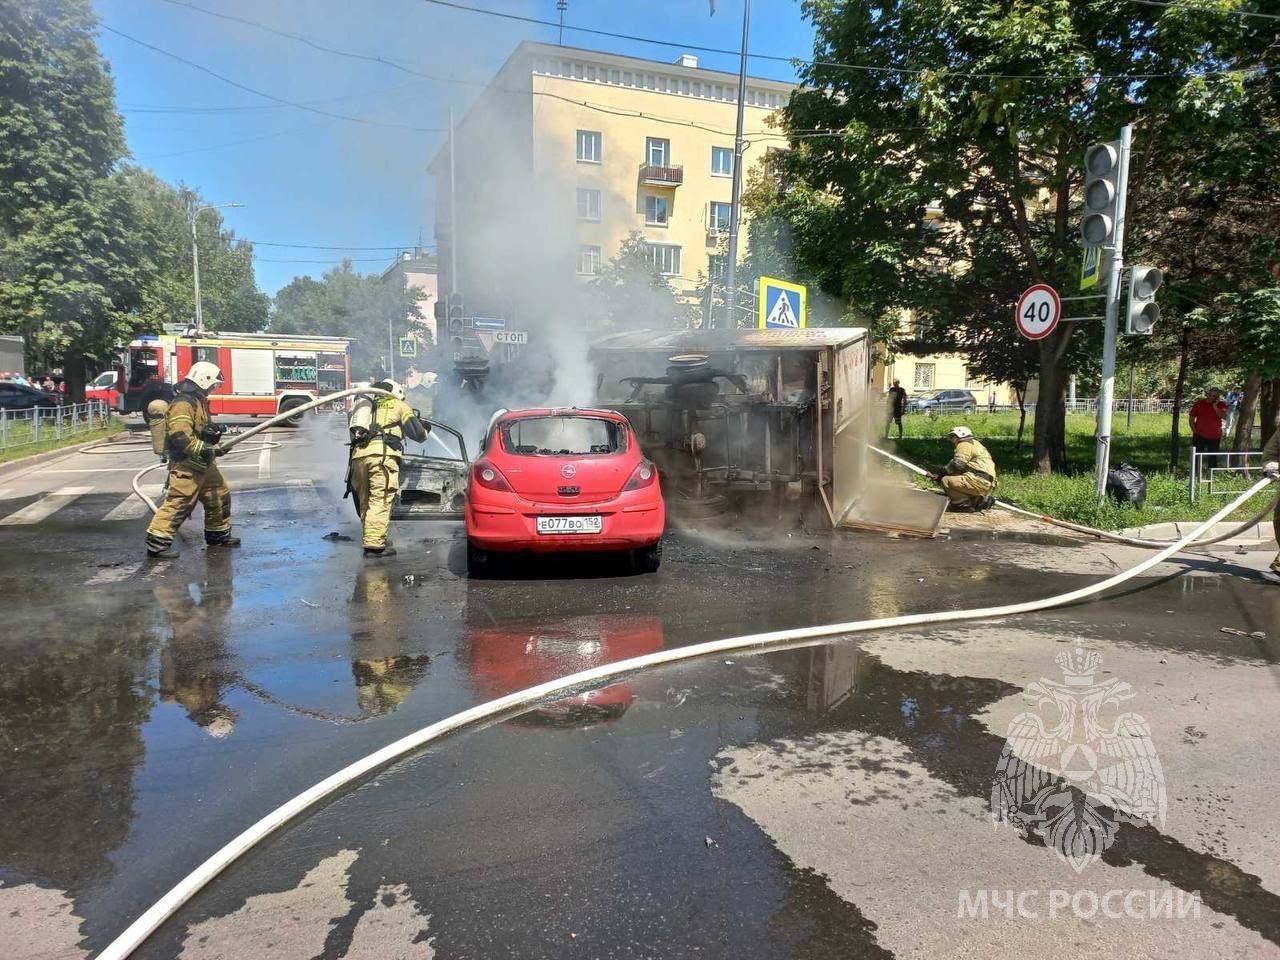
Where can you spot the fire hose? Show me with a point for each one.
(138, 931)
(1091, 531)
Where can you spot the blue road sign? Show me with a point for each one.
(489, 323)
(782, 305)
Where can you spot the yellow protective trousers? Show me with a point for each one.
(375, 481)
(188, 487)
(966, 487)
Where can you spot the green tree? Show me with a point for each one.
(343, 303)
(950, 182)
(71, 260)
(632, 294)
(229, 292)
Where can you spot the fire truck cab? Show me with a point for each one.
(263, 374)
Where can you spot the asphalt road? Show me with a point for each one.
(828, 801)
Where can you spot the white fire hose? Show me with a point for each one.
(129, 940)
(1101, 534)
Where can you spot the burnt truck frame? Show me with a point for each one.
(745, 412)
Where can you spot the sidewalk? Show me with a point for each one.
(1259, 533)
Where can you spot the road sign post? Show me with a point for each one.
(782, 305)
(1106, 395)
(1038, 311)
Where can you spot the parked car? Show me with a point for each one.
(17, 396)
(943, 400)
(563, 480)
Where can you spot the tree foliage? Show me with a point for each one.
(370, 310)
(633, 295)
(951, 181)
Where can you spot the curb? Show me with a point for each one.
(40, 459)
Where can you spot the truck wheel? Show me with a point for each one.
(296, 420)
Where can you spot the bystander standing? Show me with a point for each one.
(1207, 416)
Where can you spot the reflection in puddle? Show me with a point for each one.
(507, 658)
(384, 673)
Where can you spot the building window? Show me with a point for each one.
(924, 376)
(665, 258)
(718, 215)
(721, 162)
(655, 211)
(588, 204)
(657, 152)
(589, 146)
(204, 354)
(588, 261)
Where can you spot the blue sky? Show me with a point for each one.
(306, 178)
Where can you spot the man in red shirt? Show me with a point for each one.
(1207, 416)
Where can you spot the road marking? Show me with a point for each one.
(264, 463)
(114, 574)
(46, 506)
(303, 496)
(129, 508)
(4, 492)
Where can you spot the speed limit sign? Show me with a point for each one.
(1038, 311)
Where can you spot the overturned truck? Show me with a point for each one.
(753, 416)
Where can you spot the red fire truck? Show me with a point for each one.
(263, 373)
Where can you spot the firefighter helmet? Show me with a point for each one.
(960, 433)
(205, 375)
(391, 387)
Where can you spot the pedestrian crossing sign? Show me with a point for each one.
(408, 347)
(782, 305)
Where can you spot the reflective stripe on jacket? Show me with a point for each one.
(389, 418)
(972, 457)
(188, 415)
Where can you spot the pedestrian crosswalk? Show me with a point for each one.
(82, 504)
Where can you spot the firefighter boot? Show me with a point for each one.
(159, 548)
(377, 553)
(1272, 574)
(221, 539)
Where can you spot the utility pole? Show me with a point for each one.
(453, 209)
(195, 257)
(1131, 374)
(562, 6)
(391, 348)
(1106, 396)
(735, 215)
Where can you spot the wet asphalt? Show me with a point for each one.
(826, 801)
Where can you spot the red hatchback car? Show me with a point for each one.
(563, 480)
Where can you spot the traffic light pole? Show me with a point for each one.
(1106, 396)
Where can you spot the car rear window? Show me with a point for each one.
(562, 436)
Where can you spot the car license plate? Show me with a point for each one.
(570, 524)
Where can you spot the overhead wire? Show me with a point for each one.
(269, 96)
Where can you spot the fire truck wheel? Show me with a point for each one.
(295, 421)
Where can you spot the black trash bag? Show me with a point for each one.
(1126, 485)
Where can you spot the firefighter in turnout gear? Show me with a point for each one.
(191, 440)
(969, 479)
(378, 428)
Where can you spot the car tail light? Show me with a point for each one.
(644, 475)
(485, 474)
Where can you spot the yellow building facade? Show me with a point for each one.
(568, 152)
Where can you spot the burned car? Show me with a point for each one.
(433, 477)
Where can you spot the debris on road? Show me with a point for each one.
(308, 603)
(335, 536)
(1256, 634)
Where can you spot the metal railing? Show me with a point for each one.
(22, 428)
(1209, 473)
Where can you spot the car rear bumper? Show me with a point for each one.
(510, 525)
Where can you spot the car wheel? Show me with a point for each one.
(479, 562)
(296, 420)
(970, 410)
(647, 559)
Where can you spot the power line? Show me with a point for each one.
(319, 246)
(267, 96)
(343, 260)
(796, 61)
(1201, 9)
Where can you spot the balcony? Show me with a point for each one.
(655, 176)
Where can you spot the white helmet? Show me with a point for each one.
(205, 375)
(960, 433)
(391, 387)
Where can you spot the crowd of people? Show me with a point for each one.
(45, 383)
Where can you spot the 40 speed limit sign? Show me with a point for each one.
(1038, 311)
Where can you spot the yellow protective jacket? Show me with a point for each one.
(392, 420)
(972, 457)
(188, 415)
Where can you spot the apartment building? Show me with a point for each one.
(415, 270)
(567, 152)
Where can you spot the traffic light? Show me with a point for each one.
(1101, 176)
(455, 314)
(1143, 310)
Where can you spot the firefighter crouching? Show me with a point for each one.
(969, 479)
(378, 426)
(191, 440)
